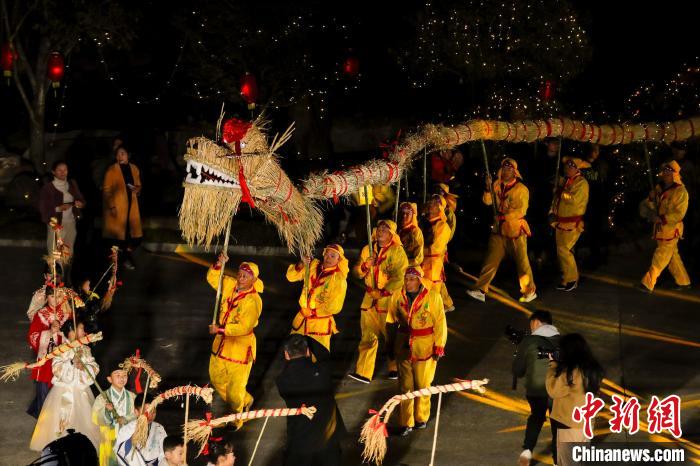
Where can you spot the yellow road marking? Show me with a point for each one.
(376, 388)
(599, 324)
(628, 284)
(456, 334)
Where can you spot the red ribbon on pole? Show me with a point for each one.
(244, 186)
(137, 380)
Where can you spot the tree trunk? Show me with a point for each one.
(37, 125)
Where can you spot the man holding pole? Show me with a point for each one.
(410, 234)
(323, 294)
(566, 217)
(669, 203)
(382, 270)
(509, 232)
(416, 334)
(437, 235)
(234, 348)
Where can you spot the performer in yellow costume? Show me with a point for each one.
(670, 203)
(451, 207)
(566, 217)
(509, 232)
(416, 326)
(323, 296)
(410, 234)
(383, 272)
(435, 249)
(233, 351)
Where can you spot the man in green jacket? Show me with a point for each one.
(526, 364)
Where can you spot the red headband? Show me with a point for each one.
(414, 271)
(246, 268)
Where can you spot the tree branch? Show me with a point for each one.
(25, 64)
(25, 99)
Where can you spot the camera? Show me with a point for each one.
(514, 335)
(545, 353)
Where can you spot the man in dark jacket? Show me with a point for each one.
(316, 441)
(526, 364)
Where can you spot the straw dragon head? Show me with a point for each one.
(244, 168)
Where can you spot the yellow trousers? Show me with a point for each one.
(666, 255)
(108, 435)
(566, 240)
(373, 325)
(414, 376)
(229, 380)
(498, 247)
(446, 298)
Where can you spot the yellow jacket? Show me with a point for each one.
(384, 197)
(412, 241)
(434, 253)
(451, 221)
(387, 276)
(324, 300)
(238, 317)
(671, 206)
(570, 202)
(421, 326)
(511, 205)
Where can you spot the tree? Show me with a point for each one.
(505, 49)
(35, 28)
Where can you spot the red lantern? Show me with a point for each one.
(351, 66)
(547, 90)
(7, 57)
(249, 90)
(56, 68)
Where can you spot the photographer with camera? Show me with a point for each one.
(543, 338)
(572, 372)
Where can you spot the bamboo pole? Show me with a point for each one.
(217, 301)
(184, 439)
(488, 176)
(425, 174)
(648, 162)
(252, 456)
(369, 236)
(435, 434)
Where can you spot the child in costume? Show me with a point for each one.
(43, 336)
(69, 402)
(152, 452)
(112, 413)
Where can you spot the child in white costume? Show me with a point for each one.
(69, 403)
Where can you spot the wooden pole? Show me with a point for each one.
(72, 308)
(556, 171)
(184, 439)
(435, 434)
(145, 392)
(488, 176)
(217, 301)
(648, 161)
(369, 235)
(425, 174)
(396, 202)
(252, 456)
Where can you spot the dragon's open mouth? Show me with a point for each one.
(201, 174)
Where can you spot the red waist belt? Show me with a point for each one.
(575, 218)
(417, 332)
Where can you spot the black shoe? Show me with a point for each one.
(393, 375)
(681, 287)
(359, 378)
(571, 286)
(404, 431)
(420, 425)
(642, 287)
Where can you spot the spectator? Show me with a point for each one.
(597, 214)
(121, 215)
(310, 442)
(568, 379)
(62, 199)
(527, 364)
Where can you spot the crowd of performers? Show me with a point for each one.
(404, 304)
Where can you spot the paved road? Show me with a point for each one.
(165, 306)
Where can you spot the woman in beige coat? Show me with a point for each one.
(121, 216)
(568, 379)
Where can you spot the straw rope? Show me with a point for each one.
(135, 362)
